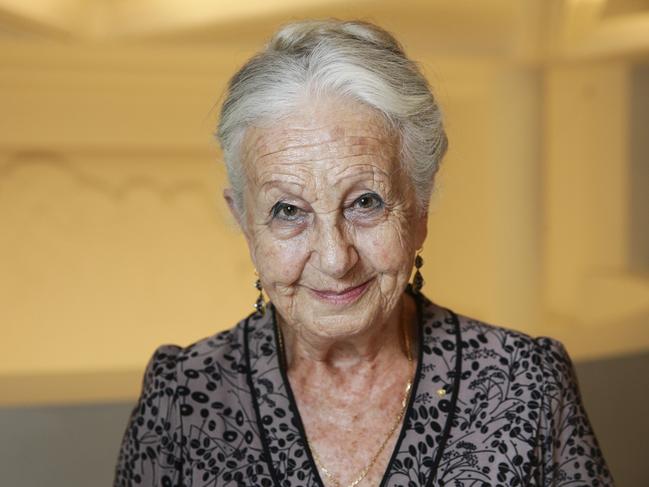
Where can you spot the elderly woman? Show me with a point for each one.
(349, 375)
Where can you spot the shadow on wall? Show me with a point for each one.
(615, 392)
(76, 446)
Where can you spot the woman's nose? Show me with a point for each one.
(335, 252)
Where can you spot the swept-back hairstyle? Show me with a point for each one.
(353, 59)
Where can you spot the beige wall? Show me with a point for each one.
(114, 238)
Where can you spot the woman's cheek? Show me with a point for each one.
(386, 249)
(283, 260)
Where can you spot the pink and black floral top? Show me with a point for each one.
(221, 412)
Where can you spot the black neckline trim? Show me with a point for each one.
(291, 399)
(255, 405)
(456, 391)
(415, 384)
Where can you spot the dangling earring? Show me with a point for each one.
(418, 279)
(260, 304)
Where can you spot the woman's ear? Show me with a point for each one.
(239, 216)
(421, 230)
(228, 195)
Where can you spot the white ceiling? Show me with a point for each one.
(106, 19)
(523, 28)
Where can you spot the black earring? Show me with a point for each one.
(260, 304)
(418, 279)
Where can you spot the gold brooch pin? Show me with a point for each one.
(441, 392)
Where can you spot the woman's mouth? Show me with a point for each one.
(343, 296)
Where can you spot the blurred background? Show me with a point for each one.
(114, 238)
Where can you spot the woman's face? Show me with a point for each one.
(331, 219)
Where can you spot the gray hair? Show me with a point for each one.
(352, 59)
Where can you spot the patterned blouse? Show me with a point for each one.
(221, 412)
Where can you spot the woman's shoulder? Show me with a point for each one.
(479, 334)
(504, 336)
(203, 354)
(492, 344)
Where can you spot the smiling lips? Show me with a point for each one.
(346, 296)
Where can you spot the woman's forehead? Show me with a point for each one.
(332, 137)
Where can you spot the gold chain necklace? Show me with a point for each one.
(397, 421)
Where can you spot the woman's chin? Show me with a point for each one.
(338, 328)
(345, 321)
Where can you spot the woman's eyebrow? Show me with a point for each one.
(294, 187)
(362, 169)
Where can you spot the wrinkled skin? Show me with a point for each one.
(328, 208)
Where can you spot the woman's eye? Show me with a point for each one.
(369, 201)
(286, 211)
